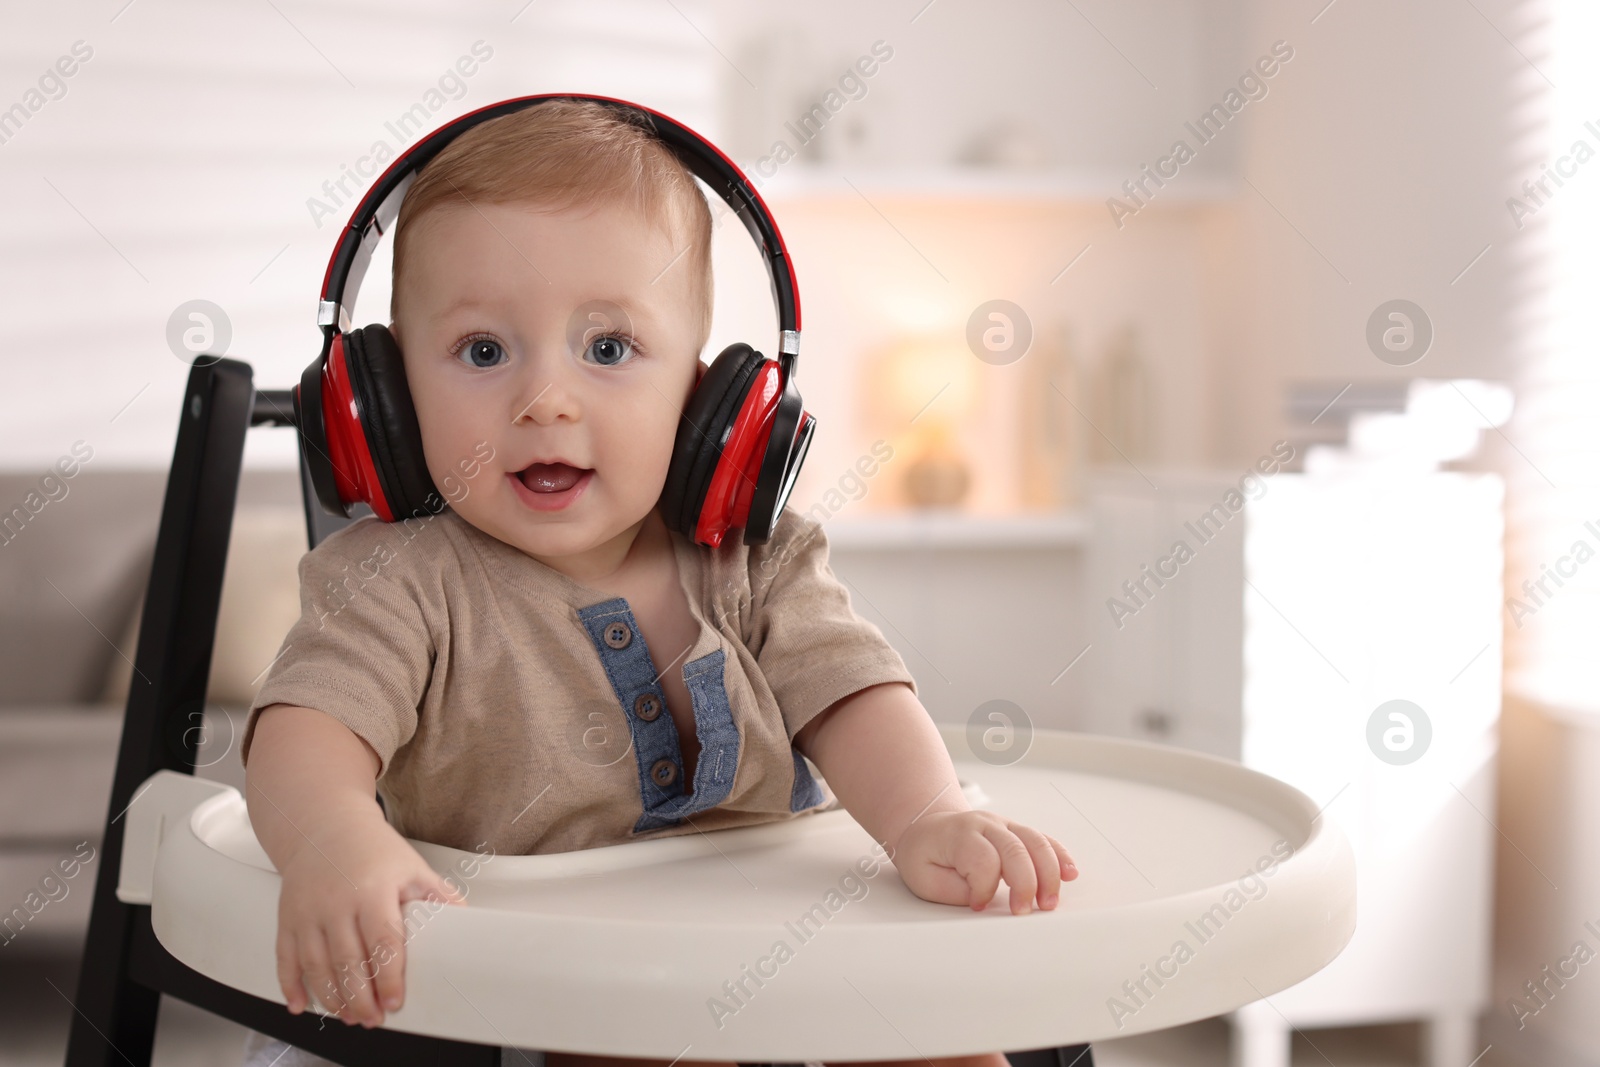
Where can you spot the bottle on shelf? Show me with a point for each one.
(1123, 403)
(1051, 424)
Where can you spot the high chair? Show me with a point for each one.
(628, 950)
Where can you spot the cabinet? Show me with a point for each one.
(1166, 631)
(1296, 620)
(980, 608)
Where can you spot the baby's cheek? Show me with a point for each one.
(643, 439)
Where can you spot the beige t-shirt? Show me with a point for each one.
(514, 707)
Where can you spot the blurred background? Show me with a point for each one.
(1298, 285)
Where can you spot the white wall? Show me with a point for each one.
(185, 151)
(1377, 171)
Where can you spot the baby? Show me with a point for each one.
(496, 671)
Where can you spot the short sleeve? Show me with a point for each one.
(361, 651)
(812, 647)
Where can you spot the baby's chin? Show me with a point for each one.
(555, 536)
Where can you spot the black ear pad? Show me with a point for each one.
(378, 381)
(703, 431)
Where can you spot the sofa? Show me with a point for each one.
(75, 574)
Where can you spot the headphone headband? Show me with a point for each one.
(375, 214)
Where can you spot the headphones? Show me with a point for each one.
(741, 438)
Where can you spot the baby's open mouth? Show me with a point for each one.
(551, 477)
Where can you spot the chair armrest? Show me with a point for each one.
(160, 801)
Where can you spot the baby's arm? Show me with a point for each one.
(884, 759)
(310, 785)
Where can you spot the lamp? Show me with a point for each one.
(923, 389)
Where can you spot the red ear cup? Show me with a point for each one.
(723, 472)
(362, 441)
(702, 432)
(788, 438)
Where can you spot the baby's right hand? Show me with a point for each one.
(340, 936)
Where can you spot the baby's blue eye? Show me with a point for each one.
(482, 352)
(610, 349)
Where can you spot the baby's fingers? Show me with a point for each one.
(432, 887)
(380, 922)
(1016, 862)
(1069, 869)
(294, 994)
(354, 977)
(1046, 864)
(316, 972)
(962, 869)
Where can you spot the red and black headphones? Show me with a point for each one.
(741, 439)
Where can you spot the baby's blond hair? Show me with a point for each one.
(569, 154)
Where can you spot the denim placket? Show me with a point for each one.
(632, 674)
(806, 792)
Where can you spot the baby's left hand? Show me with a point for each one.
(957, 857)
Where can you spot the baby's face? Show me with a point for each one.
(506, 316)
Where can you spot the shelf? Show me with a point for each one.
(958, 530)
(1091, 185)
